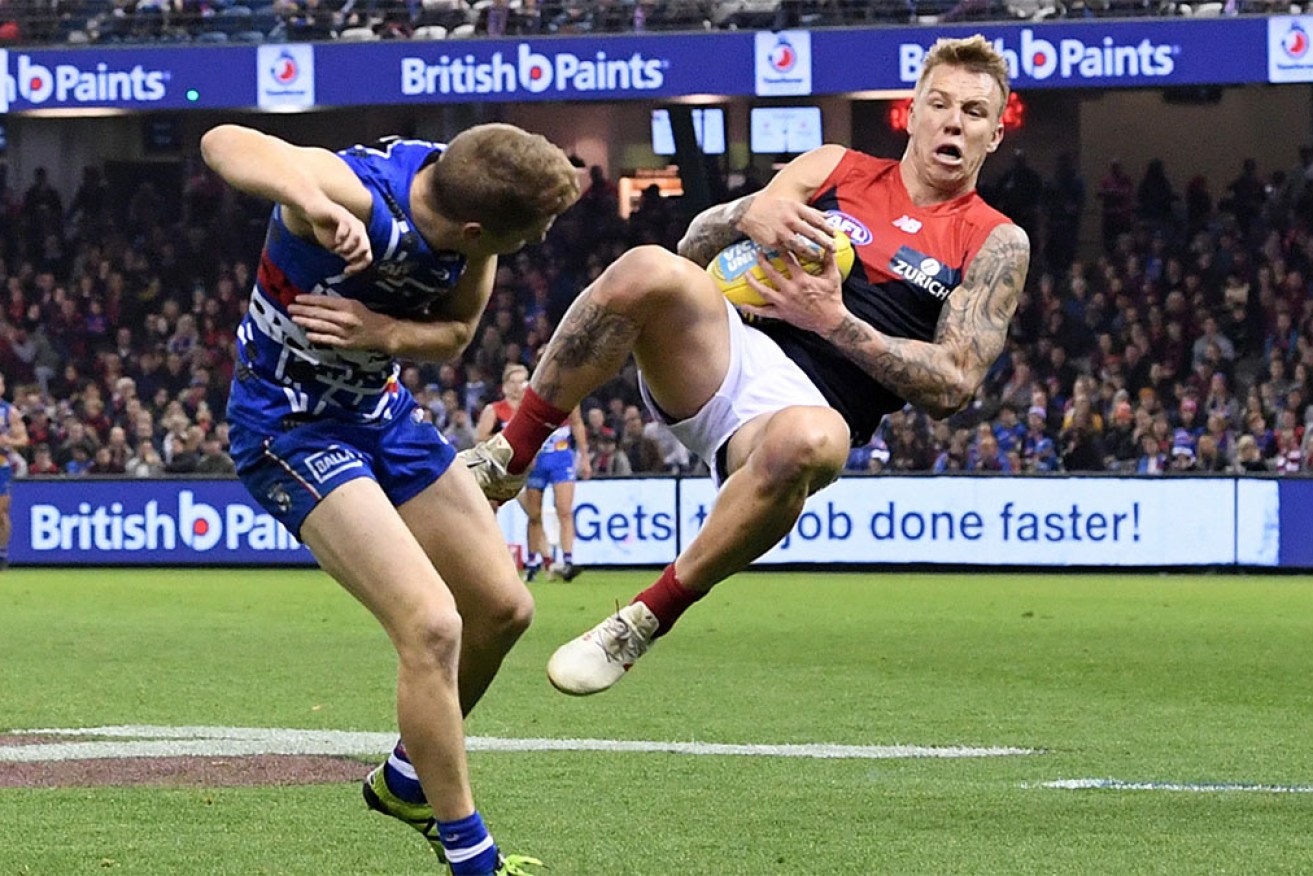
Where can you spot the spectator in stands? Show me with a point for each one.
(460, 430)
(1248, 458)
(1121, 443)
(608, 461)
(1152, 458)
(1116, 196)
(213, 460)
(145, 463)
(1155, 201)
(1208, 458)
(42, 463)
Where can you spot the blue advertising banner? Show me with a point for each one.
(573, 68)
(1110, 54)
(1102, 54)
(97, 522)
(134, 77)
(1296, 516)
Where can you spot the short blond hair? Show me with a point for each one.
(975, 53)
(504, 178)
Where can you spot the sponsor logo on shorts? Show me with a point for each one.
(329, 463)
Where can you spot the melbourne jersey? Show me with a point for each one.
(909, 260)
(280, 374)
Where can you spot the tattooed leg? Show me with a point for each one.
(651, 303)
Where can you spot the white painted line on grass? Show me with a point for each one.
(1200, 788)
(152, 741)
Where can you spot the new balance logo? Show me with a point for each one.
(908, 224)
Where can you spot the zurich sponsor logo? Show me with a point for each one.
(327, 463)
(924, 272)
(850, 225)
(1295, 43)
(783, 57)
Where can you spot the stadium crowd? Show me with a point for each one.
(1184, 343)
(222, 21)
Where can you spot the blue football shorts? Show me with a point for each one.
(6, 475)
(551, 467)
(289, 472)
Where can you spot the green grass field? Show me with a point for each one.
(1186, 679)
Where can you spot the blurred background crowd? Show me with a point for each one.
(1181, 341)
(253, 21)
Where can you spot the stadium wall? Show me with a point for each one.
(1258, 523)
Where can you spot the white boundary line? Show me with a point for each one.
(153, 741)
(1201, 788)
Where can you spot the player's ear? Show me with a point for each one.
(997, 139)
(471, 231)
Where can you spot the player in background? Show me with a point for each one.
(773, 408)
(373, 255)
(555, 467)
(13, 436)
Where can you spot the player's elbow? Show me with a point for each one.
(956, 395)
(461, 335)
(218, 142)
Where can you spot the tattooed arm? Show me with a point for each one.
(778, 217)
(939, 376)
(714, 229)
(942, 375)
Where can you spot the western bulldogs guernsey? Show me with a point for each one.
(281, 377)
(909, 260)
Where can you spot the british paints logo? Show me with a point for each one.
(1288, 44)
(118, 527)
(533, 72)
(783, 63)
(37, 81)
(1037, 58)
(285, 76)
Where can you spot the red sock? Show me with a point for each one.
(533, 421)
(668, 599)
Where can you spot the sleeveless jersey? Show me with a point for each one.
(909, 260)
(280, 375)
(559, 439)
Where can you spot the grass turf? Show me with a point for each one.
(1142, 678)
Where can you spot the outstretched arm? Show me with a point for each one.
(941, 375)
(321, 197)
(777, 217)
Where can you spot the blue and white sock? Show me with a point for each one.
(534, 561)
(469, 847)
(401, 777)
(567, 557)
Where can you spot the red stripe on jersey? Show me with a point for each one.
(274, 282)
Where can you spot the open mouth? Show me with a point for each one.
(949, 153)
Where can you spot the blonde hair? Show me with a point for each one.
(504, 178)
(975, 53)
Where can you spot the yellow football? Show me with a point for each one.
(732, 265)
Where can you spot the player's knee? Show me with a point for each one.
(431, 640)
(803, 450)
(641, 274)
(512, 614)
